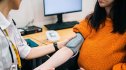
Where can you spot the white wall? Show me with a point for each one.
(33, 9)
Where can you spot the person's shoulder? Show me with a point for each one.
(88, 17)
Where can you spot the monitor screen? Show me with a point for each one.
(53, 7)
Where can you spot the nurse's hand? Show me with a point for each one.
(64, 42)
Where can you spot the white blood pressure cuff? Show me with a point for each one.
(75, 43)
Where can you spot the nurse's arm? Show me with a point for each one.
(44, 50)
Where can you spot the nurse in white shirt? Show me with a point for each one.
(12, 45)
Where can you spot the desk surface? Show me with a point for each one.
(41, 39)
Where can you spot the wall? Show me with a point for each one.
(33, 9)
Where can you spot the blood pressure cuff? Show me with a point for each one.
(75, 43)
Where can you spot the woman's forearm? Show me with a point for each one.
(57, 59)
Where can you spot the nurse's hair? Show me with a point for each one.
(117, 14)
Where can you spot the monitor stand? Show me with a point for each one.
(60, 24)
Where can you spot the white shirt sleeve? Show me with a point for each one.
(24, 49)
(1, 63)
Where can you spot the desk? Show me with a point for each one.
(41, 39)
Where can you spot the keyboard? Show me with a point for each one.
(59, 26)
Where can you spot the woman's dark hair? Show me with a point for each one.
(117, 14)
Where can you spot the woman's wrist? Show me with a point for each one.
(60, 45)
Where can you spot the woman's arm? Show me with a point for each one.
(63, 54)
(57, 59)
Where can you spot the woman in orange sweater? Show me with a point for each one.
(104, 45)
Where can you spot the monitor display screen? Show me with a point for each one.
(53, 7)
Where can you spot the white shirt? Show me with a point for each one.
(18, 41)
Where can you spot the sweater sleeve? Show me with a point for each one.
(84, 28)
(120, 66)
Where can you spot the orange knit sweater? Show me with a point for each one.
(101, 50)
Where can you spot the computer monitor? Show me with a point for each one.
(59, 7)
